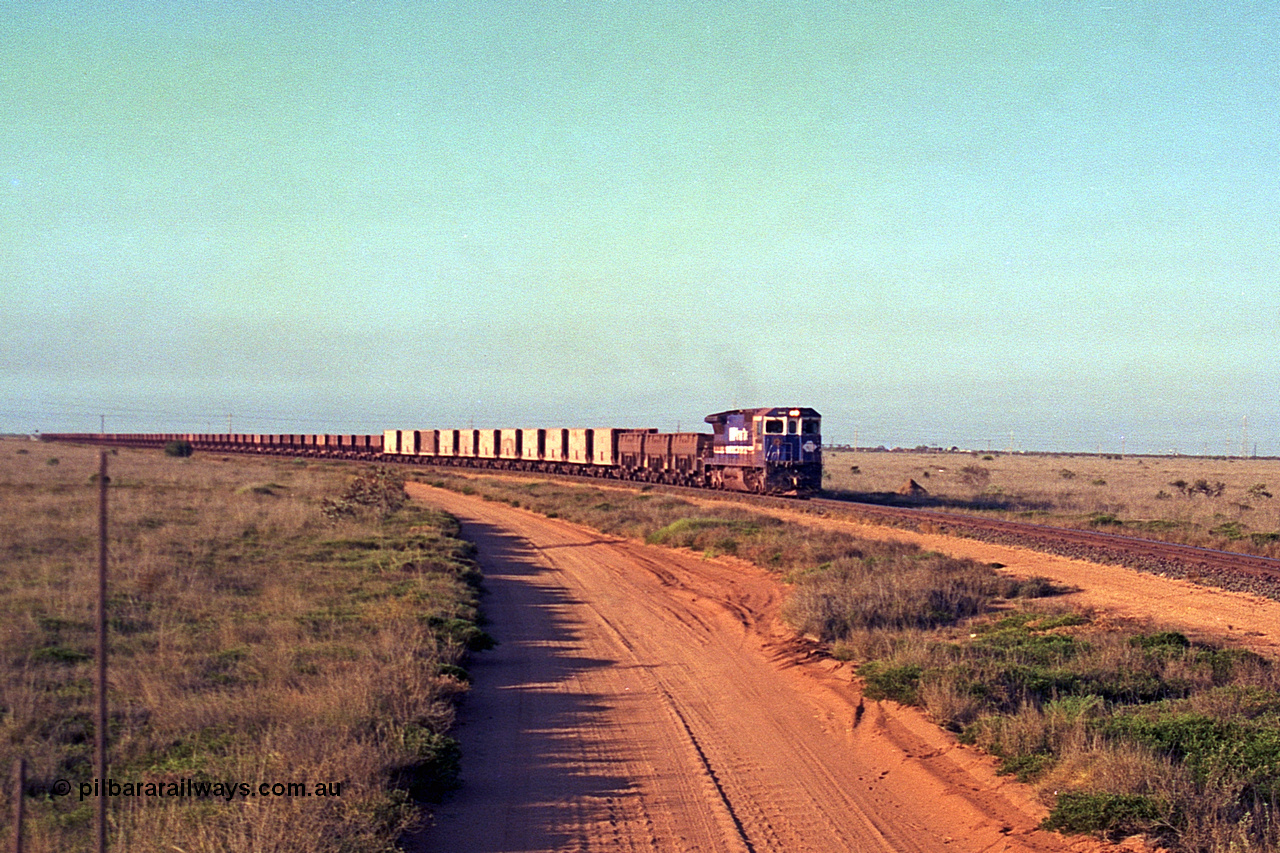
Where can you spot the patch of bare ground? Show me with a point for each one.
(650, 698)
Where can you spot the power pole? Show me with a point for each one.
(101, 725)
(19, 784)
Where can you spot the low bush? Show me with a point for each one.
(434, 765)
(1113, 815)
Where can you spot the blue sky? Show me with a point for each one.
(1049, 225)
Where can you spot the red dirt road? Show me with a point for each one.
(642, 698)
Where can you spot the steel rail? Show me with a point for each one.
(1141, 552)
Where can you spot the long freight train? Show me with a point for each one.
(766, 451)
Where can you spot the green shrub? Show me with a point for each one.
(180, 449)
(1210, 747)
(1032, 587)
(1114, 815)
(1161, 641)
(60, 654)
(900, 683)
(1232, 530)
(1024, 767)
(462, 632)
(433, 767)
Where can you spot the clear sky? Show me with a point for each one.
(1046, 225)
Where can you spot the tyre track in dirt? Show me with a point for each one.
(643, 698)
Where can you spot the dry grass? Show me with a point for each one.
(1227, 503)
(253, 639)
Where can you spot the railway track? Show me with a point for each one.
(1227, 569)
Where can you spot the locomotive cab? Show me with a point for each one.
(773, 451)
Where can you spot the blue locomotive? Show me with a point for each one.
(768, 451)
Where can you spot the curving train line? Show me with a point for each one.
(1228, 569)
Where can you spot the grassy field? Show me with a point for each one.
(272, 622)
(1122, 728)
(1227, 503)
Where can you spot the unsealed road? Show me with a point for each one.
(642, 698)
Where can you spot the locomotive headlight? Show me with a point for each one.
(795, 413)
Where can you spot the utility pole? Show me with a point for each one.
(102, 423)
(19, 784)
(101, 725)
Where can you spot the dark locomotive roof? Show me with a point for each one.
(775, 412)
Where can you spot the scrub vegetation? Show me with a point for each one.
(1134, 730)
(1226, 503)
(271, 622)
(1123, 728)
